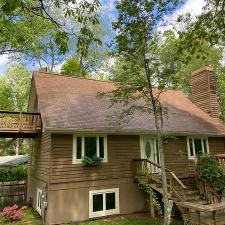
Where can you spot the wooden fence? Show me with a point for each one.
(12, 192)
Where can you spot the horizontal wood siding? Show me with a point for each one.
(176, 157)
(217, 145)
(121, 151)
(176, 154)
(40, 169)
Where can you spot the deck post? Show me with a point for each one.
(20, 121)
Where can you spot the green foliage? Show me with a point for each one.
(72, 67)
(143, 185)
(13, 173)
(15, 87)
(19, 30)
(91, 161)
(210, 171)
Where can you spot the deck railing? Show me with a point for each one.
(19, 121)
(144, 168)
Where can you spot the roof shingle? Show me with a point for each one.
(68, 103)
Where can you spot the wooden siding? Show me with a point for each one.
(204, 91)
(40, 167)
(121, 151)
(176, 154)
(176, 157)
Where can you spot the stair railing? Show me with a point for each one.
(208, 190)
(144, 168)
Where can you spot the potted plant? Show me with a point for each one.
(91, 161)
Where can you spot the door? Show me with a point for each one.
(150, 151)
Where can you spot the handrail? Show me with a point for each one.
(20, 122)
(166, 169)
(207, 190)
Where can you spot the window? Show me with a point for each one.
(197, 146)
(89, 146)
(39, 201)
(103, 202)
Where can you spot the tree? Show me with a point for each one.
(72, 67)
(185, 61)
(14, 93)
(17, 18)
(137, 42)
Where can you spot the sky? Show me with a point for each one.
(192, 6)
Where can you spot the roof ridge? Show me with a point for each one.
(80, 78)
(92, 79)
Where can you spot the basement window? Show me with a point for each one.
(197, 146)
(89, 146)
(103, 202)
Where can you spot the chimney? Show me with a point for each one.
(204, 91)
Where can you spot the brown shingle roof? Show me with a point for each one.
(68, 103)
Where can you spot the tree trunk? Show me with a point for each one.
(17, 147)
(167, 208)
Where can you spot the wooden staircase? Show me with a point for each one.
(189, 194)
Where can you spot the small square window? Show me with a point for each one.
(103, 202)
(197, 146)
(89, 146)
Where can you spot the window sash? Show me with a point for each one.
(103, 212)
(99, 153)
(192, 148)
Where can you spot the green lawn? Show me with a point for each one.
(31, 218)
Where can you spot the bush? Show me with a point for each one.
(94, 160)
(12, 213)
(210, 171)
(13, 173)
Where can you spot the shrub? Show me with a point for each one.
(210, 171)
(13, 174)
(91, 161)
(12, 213)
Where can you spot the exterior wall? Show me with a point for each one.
(66, 186)
(73, 203)
(38, 166)
(70, 183)
(176, 154)
(121, 151)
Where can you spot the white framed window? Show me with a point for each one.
(89, 146)
(39, 200)
(197, 146)
(104, 202)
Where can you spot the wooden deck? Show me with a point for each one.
(21, 124)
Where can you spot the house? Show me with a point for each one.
(74, 124)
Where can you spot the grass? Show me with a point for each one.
(31, 218)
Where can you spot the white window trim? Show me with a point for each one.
(79, 161)
(38, 209)
(104, 212)
(189, 149)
